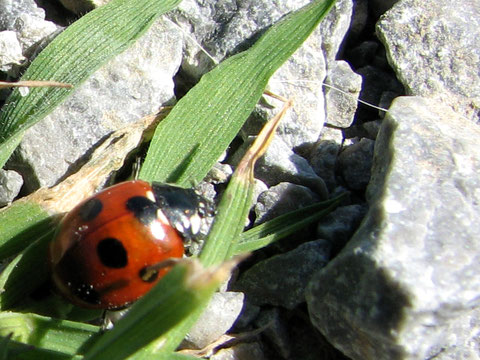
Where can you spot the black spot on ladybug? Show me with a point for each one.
(143, 209)
(87, 293)
(90, 209)
(112, 253)
(148, 274)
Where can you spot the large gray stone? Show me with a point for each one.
(10, 185)
(281, 279)
(434, 48)
(216, 320)
(27, 19)
(407, 285)
(10, 51)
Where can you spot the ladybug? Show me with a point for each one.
(108, 251)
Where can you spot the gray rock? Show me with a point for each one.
(339, 226)
(372, 128)
(407, 285)
(246, 317)
(323, 159)
(241, 351)
(434, 48)
(219, 173)
(334, 27)
(10, 184)
(355, 162)
(281, 164)
(282, 198)
(300, 78)
(216, 320)
(281, 279)
(132, 85)
(275, 330)
(10, 51)
(27, 20)
(341, 105)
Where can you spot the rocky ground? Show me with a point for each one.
(402, 283)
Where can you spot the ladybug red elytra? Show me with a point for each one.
(106, 252)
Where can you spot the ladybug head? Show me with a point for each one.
(187, 211)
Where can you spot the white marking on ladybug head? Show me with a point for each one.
(179, 227)
(150, 195)
(186, 223)
(195, 224)
(157, 230)
(162, 218)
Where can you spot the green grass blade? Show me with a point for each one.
(185, 288)
(63, 336)
(284, 225)
(21, 223)
(19, 351)
(204, 122)
(25, 273)
(73, 56)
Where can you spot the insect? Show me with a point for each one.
(109, 250)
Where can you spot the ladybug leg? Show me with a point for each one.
(151, 271)
(110, 317)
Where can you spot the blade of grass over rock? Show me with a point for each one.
(284, 225)
(74, 55)
(204, 122)
(29, 264)
(184, 289)
(21, 223)
(236, 201)
(67, 337)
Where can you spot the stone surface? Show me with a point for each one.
(10, 184)
(134, 84)
(434, 48)
(281, 279)
(407, 284)
(354, 164)
(339, 226)
(281, 164)
(323, 159)
(216, 320)
(276, 330)
(282, 198)
(27, 20)
(10, 51)
(341, 98)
